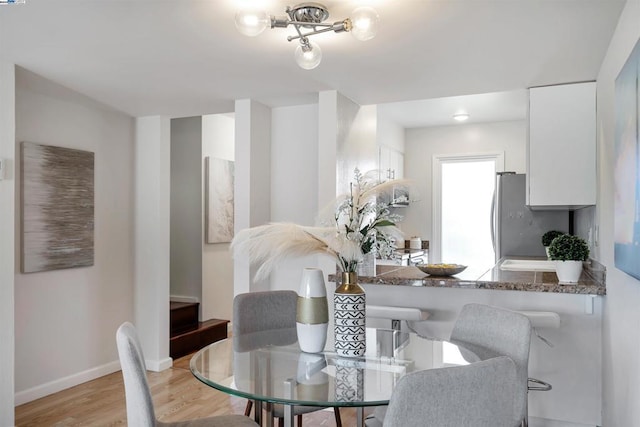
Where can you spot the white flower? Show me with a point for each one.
(359, 225)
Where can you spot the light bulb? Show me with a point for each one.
(251, 22)
(461, 116)
(308, 57)
(365, 22)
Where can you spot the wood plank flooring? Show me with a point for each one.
(177, 396)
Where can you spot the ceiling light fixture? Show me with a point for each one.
(363, 25)
(461, 117)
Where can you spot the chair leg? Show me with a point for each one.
(247, 409)
(298, 417)
(336, 412)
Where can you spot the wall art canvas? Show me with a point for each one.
(219, 177)
(57, 207)
(627, 167)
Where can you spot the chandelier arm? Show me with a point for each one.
(308, 24)
(311, 33)
(300, 36)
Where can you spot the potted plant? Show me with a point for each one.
(569, 252)
(548, 237)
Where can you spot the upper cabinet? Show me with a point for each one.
(561, 149)
(391, 163)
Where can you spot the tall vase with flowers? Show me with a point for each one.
(359, 224)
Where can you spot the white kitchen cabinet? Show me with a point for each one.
(561, 149)
(391, 163)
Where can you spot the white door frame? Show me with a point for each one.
(435, 247)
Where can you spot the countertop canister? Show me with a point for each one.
(415, 243)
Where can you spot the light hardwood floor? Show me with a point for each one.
(177, 395)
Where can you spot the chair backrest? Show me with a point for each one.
(140, 412)
(481, 394)
(492, 331)
(263, 311)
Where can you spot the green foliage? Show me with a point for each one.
(568, 248)
(548, 237)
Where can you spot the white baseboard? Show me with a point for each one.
(159, 365)
(55, 386)
(183, 298)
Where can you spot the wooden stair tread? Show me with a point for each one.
(176, 305)
(207, 332)
(207, 324)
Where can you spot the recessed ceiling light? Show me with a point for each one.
(461, 117)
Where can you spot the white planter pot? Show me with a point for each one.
(312, 316)
(546, 249)
(568, 271)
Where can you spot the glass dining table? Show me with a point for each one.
(268, 367)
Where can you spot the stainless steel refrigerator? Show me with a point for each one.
(516, 229)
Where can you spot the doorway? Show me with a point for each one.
(463, 187)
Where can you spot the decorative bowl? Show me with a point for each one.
(441, 269)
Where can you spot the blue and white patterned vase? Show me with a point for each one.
(349, 310)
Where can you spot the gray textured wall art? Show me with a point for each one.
(219, 175)
(57, 207)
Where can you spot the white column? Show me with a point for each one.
(7, 248)
(152, 255)
(252, 181)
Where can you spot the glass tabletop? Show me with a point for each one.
(270, 367)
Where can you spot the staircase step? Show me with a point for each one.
(183, 317)
(207, 332)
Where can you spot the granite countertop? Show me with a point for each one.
(592, 280)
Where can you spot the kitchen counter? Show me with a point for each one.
(592, 280)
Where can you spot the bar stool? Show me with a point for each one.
(541, 319)
(397, 314)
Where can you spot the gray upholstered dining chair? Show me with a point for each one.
(140, 411)
(269, 311)
(489, 331)
(482, 394)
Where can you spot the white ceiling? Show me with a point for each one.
(185, 57)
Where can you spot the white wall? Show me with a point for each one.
(314, 150)
(218, 140)
(7, 215)
(356, 140)
(621, 341)
(294, 180)
(65, 320)
(390, 134)
(421, 144)
(186, 208)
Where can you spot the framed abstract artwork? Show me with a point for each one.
(219, 200)
(627, 167)
(57, 189)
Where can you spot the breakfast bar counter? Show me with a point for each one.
(592, 280)
(578, 308)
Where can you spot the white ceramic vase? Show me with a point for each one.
(568, 271)
(546, 250)
(312, 315)
(313, 382)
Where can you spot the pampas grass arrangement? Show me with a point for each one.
(358, 224)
